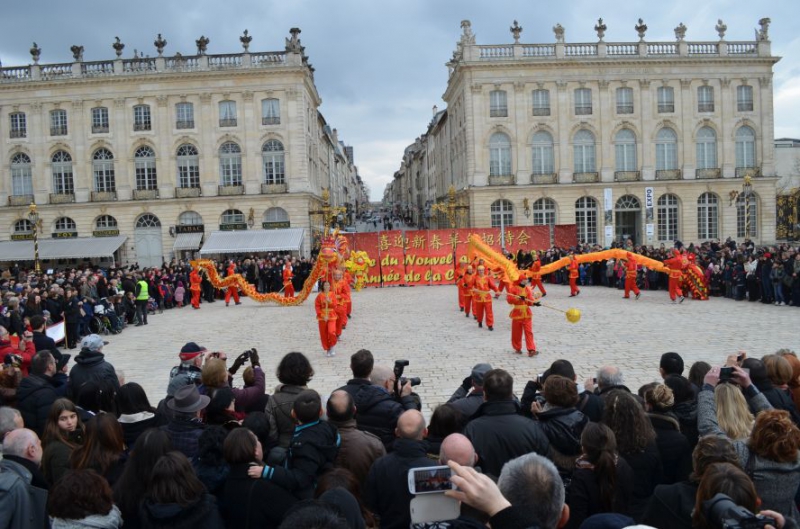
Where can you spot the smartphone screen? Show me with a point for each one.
(429, 480)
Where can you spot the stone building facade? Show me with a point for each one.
(155, 147)
(645, 140)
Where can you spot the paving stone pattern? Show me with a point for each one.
(423, 325)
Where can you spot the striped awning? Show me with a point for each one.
(187, 241)
(253, 241)
(77, 248)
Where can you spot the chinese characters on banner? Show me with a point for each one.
(429, 257)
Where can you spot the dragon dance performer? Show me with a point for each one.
(482, 288)
(675, 265)
(465, 285)
(536, 275)
(341, 291)
(325, 304)
(460, 273)
(194, 287)
(348, 279)
(288, 287)
(233, 289)
(522, 298)
(573, 276)
(631, 268)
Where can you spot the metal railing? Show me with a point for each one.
(62, 198)
(20, 200)
(585, 178)
(498, 112)
(273, 189)
(583, 110)
(99, 129)
(184, 124)
(541, 111)
(754, 172)
(702, 174)
(624, 109)
(270, 121)
(230, 190)
(664, 108)
(501, 180)
(668, 174)
(544, 178)
(627, 176)
(705, 107)
(227, 122)
(145, 194)
(104, 196)
(188, 192)
(59, 130)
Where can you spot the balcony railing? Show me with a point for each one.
(502, 180)
(752, 172)
(498, 113)
(583, 110)
(145, 194)
(668, 174)
(744, 106)
(705, 107)
(273, 189)
(585, 178)
(227, 122)
(60, 130)
(187, 192)
(270, 121)
(627, 176)
(230, 190)
(141, 126)
(543, 111)
(702, 174)
(20, 200)
(62, 198)
(624, 109)
(99, 129)
(544, 178)
(18, 133)
(104, 196)
(664, 108)
(184, 124)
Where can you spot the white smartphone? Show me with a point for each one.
(429, 480)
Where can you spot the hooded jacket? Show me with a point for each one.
(111, 520)
(312, 451)
(35, 395)
(202, 514)
(90, 365)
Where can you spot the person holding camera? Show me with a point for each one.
(23, 352)
(469, 395)
(251, 396)
(381, 403)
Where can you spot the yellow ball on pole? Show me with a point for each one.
(573, 315)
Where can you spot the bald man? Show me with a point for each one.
(379, 407)
(22, 453)
(456, 447)
(359, 450)
(386, 493)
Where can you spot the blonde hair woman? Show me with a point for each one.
(733, 414)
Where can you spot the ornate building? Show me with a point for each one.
(654, 141)
(157, 151)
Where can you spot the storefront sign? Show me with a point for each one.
(105, 233)
(233, 226)
(21, 236)
(65, 235)
(190, 228)
(276, 225)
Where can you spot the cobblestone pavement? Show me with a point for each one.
(424, 326)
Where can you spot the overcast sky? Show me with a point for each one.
(380, 63)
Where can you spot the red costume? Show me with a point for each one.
(521, 297)
(232, 290)
(288, 287)
(341, 291)
(675, 265)
(482, 299)
(325, 305)
(536, 276)
(574, 273)
(194, 287)
(348, 279)
(630, 276)
(465, 285)
(460, 273)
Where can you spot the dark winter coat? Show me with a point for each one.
(279, 413)
(671, 506)
(673, 447)
(358, 451)
(563, 428)
(647, 473)
(378, 412)
(91, 365)
(686, 412)
(35, 395)
(185, 434)
(584, 497)
(249, 502)
(203, 514)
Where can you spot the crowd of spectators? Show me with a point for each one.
(84, 448)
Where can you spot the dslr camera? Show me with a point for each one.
(399, 379)
(722, 512)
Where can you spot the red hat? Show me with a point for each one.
(191, 350)
(767, 255)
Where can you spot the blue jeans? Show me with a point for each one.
(779, 293)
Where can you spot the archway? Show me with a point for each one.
(147, 236)
(628, 219)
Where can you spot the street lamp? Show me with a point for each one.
(33, 216)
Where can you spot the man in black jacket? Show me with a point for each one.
(361, 364)
(37, 392)
(498, 431)
(90, 364)
(378, 409)
(41, 341)
(386, 492)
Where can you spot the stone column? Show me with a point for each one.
(766, 134)
(563, 111)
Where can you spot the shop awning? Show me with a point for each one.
(253, 241)
(187, 241)
(77, 248)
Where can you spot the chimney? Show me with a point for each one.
(335, 135)
(435, 110)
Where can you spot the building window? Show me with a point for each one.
(624, 100)
(99, 120)
(584, 152)
(21, 175)
(745, 148)
(65, 225)
(666, 100)
(502, 213)
(141, 117)
(272, 156)
(148, 220)
(498, 104)
(103, 169)
(666, 150)
(188, 166)
(708, 216)
(544, 212)
(145, 165)
(230, 164)
(541, 102)
(705, 98)
(586, 220)
(19, 126)
(190, 218)
(625, 150)
(232, 216)
(706, 148)
(744, 98)
(747, 217)
(270, 112)
(543, 155)
(227, 113)
(583, 101)
(105, 222)
(58, 122)
(184, 116)
(499, 155)
(63, 183)
(23, 227)
(667, 209)
(276, 215)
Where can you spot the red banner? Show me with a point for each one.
(368, 242)
(391, 246)
(440, 250)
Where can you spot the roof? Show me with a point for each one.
(187, 241)
(253, 241)
(75, 248)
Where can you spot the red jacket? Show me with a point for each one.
(6, 347)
